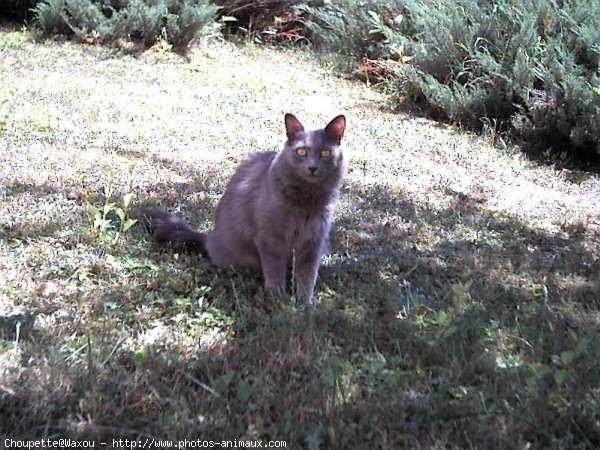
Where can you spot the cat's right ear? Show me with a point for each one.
(293, 127)
(336, 127)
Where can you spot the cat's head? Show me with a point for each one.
(315, 155)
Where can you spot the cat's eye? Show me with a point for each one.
(301, 152)
(325, 154)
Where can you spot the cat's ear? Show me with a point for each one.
(335, 128)
(293, 127)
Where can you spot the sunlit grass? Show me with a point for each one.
(458, 304)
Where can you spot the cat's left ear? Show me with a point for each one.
(335, 128)
(293, 127)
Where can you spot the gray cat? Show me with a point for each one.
(276, 210)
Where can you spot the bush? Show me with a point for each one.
(527, 67)
(262, 20)
(145, 21)
(344, 27)
(20, 9)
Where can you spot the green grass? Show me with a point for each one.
(458, 306)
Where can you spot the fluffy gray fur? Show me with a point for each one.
(277, 208)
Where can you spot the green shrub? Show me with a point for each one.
(344, 27)
(20, 9)
(185, 20)
(145, 21)
(527, 67)
(262, 20)
(51, 17)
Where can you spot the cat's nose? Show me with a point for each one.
(312, 169)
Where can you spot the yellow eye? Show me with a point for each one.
(301, 152)
(325, 154)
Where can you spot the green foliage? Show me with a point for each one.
(50, 16)
(527, 67)
(146, 21)
(261, 20)
(343, 27)
(20, 9)
(103, 220)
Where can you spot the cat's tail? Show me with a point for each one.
(168, 229)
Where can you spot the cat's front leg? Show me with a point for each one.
(274, 269)
(306, 267)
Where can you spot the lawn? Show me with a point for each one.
(458, 305)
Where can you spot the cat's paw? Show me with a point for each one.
(307, 303)
(276, 294)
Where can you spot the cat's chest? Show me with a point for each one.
(300, 227)
(298, 213)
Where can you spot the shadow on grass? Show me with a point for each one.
(478, 302)
(453, 326)
(24, 227)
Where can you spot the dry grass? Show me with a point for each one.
(459, 304)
